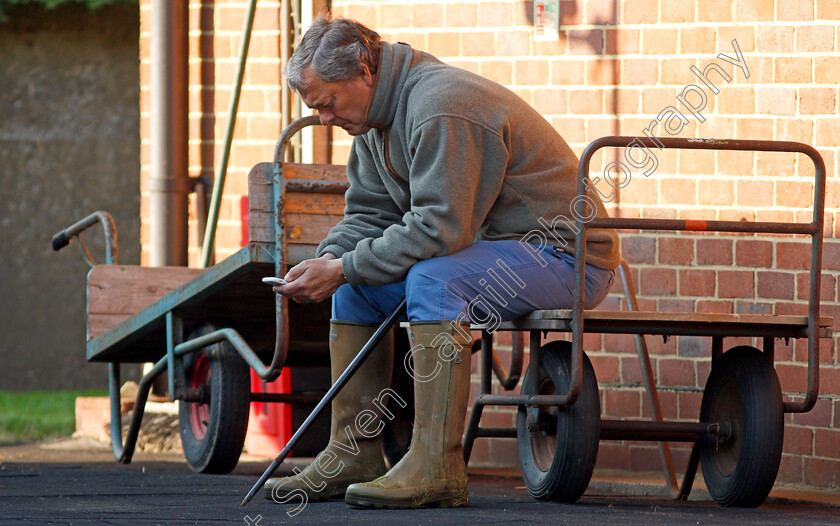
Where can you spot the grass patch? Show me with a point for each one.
(39, 415)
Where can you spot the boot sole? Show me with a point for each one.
(446, 500)
(313, 496)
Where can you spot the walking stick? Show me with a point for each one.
(333, 391)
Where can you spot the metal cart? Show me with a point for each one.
(737, 439)
(205, 328)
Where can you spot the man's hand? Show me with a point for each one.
(313, 280)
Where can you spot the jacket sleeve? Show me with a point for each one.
(457, 170)
(368, 210)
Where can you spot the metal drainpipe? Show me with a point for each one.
(169, 183)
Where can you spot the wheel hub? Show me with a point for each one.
(200, 382)
(728, 415)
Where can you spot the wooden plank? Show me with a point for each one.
(309, 215)
(320, 172)
(314, 203)
(116, 292)
(261, 227)
(100, 323)
(261, 204)
(261, 199)
(309, 229)
(261, 173)
(297, 253)
(140, 337)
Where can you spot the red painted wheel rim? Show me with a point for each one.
(199, 413)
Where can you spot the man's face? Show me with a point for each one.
(342, 104)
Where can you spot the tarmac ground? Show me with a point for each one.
(77, 481)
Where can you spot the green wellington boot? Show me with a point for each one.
(351, 455)
(433, 471)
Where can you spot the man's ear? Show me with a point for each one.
(367, 77)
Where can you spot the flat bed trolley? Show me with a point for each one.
(205, 328)
(738, 438)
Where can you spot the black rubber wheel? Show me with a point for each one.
(557, 459)
(396, 436)
(212, 434)
(743, 397)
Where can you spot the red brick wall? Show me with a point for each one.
(215, 30)
(617, 65)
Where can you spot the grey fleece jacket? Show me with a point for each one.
(451, 158)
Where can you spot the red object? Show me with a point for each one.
(695, 224)
(199, 413)
(269, 424)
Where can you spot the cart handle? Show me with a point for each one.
(123, 453)
(814, 229)
(281, 338)
(63, 238)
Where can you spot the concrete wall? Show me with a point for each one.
(69, 145)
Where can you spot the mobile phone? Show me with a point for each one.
(271, 280)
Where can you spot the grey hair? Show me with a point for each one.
(337, 49)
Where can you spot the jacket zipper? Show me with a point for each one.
(388, 165)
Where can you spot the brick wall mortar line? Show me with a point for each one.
(195, 114)
(235, 60)
(252, 142)
(789, 54)
(236, 33)
(677, 388)
(227, 87)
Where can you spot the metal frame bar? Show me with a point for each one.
(509, 379)
(63, 238)
(174, 337)
(123, 453)
(655, 430)
(814, 229)
(710, 328)
(170, 362)
(649, 380)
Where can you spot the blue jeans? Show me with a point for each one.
(486, 282)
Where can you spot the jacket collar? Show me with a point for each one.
(394, 64)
